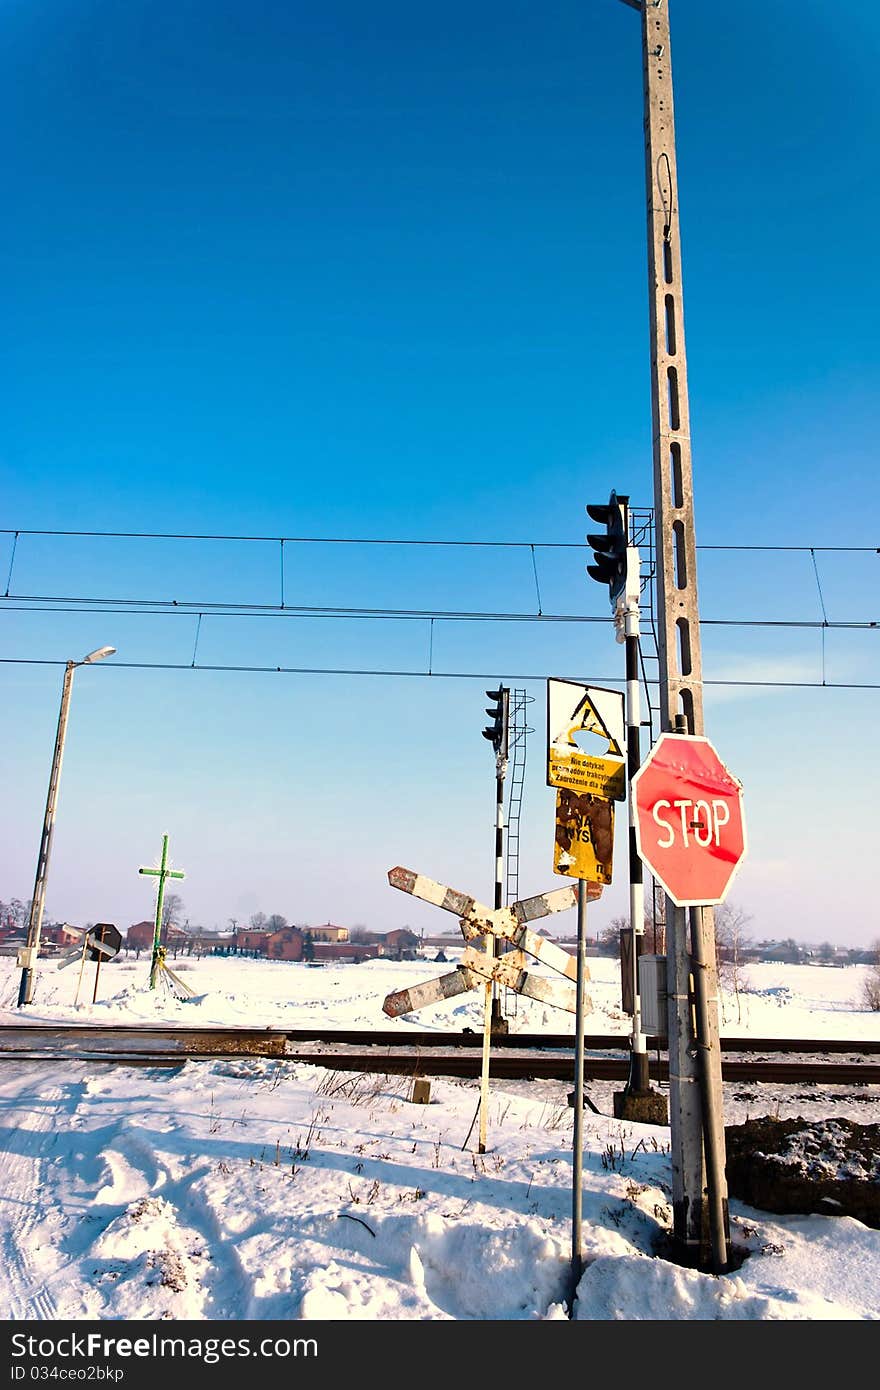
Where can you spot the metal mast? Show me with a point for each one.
(695, 1080)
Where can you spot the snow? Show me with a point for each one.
(252, 1188)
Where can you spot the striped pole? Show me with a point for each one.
(499, 832)
(492, 1016)
(638, 1073)
(500, 769)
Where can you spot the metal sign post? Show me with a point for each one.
(588, 784)
(487, 1046)
(82, 966)
(577, 1253)
(97, 973)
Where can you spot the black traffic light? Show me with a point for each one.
(610, 548)
(499, 711)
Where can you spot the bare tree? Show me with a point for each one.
(655, 922)
(871, 985)
(172, 907)
(276, 922)
(731, 942)
(608, 939)
(15, 913)
(258, 921)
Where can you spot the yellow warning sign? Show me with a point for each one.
(586, 773)
(584, 845)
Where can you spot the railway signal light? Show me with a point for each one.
(610, 549)
(499, 711)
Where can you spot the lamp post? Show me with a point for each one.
(27, 957)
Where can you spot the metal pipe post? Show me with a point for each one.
(82, 966)
(35, 921)
(97, 973)
(577, 1142)
(487, 1043)
(491, 1009)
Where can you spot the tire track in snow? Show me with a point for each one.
(138, 1169)
(225, 1281)
(22, 1180)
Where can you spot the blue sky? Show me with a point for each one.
(278, 269)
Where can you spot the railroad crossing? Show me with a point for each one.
(507, 924)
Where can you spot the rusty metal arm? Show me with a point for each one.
(508, 970)
(406, 1001)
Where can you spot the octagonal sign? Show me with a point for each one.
(690, 826)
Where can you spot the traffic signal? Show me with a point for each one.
(610, 548)
(499, 712)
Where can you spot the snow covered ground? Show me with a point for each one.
(260, 1189)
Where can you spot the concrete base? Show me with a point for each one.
(643, 1107)
(421, 1091)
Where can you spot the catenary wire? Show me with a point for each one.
(403, 540)
(166, 608)
(423, 674)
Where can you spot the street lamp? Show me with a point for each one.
(27, 957)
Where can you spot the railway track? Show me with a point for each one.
(272, 1041)
(515, 1056)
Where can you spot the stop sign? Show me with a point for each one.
(690, 828)
(103, 941)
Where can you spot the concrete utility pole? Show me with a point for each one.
(27, 957)
(692, 1114)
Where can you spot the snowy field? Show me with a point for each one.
(260, 1189)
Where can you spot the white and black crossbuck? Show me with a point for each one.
(509, 924)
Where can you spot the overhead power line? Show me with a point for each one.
(166, 608)
(424, 673)
(405, 540)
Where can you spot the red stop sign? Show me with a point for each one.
(690, 828)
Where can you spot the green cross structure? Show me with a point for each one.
(161, 873)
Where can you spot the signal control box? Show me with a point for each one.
(652, 993)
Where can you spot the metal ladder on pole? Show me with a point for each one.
(642, 535)
(516, 780)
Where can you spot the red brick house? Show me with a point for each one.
(401, 944)
(139, 936)
(251, 939)
(60, 934)
(345, 951)
(286, 944)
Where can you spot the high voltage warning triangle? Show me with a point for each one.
(572, 709)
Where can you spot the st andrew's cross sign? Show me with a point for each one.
(509, 924)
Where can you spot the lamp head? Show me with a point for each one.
(98, 655)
